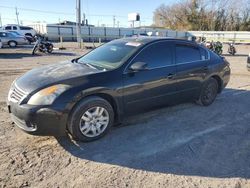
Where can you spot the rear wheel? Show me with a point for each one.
(91, 119)
(50, 48)
(12, 44)
(209, 92)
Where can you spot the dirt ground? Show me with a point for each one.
(181, 146)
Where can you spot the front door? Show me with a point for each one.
(155, 85)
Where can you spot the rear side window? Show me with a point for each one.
(186, 54)
(156, 55)
(14, 28)
(8, 28)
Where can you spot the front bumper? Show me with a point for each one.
(38, 120)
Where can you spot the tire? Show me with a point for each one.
(50, 48)
(209, 92)
(34, 50)
(12, 44)
(82, 126)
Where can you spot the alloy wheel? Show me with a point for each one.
(94, 121)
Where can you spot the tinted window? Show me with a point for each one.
(25, 28)
(204, 54)
(14, 28)
(8, 28)
(156, 55)
(185, 54)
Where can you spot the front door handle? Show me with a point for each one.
(205, 68)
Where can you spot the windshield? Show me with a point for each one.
(111, 55)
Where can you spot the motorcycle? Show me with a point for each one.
(42, 45)
(215, 47)
(231, 49)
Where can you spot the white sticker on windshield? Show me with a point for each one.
(135, 44)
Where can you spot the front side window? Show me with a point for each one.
(156, 55)
(111, 55)
(186, 54)
(8, 28)
(14, 28)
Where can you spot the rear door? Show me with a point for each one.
(154, 86)
(191, 69)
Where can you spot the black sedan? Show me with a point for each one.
(88, 95)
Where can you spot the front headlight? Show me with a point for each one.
(48, 95)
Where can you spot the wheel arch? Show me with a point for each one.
(219, 81)
(12, 41)
(106, 95)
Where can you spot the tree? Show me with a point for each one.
(222, 15)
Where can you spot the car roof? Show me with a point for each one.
(146, 39)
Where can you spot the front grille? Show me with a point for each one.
(16, 94)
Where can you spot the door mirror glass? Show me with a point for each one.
(138, 66)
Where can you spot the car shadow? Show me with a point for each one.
(187, 139)
(236, 55)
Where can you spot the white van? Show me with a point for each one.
(22, 30)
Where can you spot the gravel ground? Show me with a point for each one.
(181, 146)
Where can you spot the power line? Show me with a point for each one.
(65, 13)
(35, 10)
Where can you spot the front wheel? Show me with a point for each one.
(34, 50)
(209, 92)
(91, 119)
(12, 44)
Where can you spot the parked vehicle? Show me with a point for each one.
(12, 40)
(218, 47)
(215, 47)
(23, 30)
(89, 94)
(248, 62)
(1, 45)
(29, 38)
(42, 45)
(231, 49)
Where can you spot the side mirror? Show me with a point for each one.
(138, 66)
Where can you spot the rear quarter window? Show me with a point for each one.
(204, 54)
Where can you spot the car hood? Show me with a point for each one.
(50, 74)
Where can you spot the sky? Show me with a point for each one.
(97, 12)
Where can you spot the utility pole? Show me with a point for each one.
(114, 21)
(1, 21)
(17, 17)
(78, 22)
(84, 18)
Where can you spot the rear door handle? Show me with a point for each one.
(170, 76)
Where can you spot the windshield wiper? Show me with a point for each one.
(91, 66)
(74, 61)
